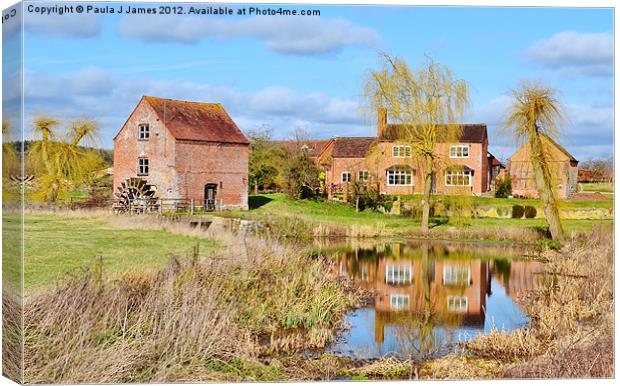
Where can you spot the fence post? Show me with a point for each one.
(161, 206)
(191, 206)
(98, 270)
(196, 252)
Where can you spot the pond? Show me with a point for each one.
(428, 295)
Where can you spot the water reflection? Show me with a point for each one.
(430, 295)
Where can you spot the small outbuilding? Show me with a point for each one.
(564, 170)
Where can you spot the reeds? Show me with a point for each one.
(571, 330)
(202, 320)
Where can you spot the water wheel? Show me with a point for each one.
(136, 195)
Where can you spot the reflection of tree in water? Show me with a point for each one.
(502, 268)
(415, 332)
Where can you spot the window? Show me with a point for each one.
(143, 166)
(459, 151)
(459, 177)
(399, 302)
(143, 132)
(346, 177)
(458, 276)
(363, 175)
(399, 175)
(401, 151)
(457, 303)
(398, 273)
(365, 275)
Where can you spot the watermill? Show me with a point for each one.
(134, 194)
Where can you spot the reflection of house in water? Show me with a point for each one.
(518, 277)
(420, 278)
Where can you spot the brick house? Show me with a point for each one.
(564, 170)
(466, 166)
(183, 151)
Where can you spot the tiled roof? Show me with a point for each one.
(352, 147)
(472, 132)
(561, 148)
(315, 147)
(195, 121)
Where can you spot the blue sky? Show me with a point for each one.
(289, 72)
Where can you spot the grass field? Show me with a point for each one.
(55, 245)
(332, 212)
(603, 187)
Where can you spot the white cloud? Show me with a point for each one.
(97, 94)
(581, 53)
(291, 35)
(587, 131)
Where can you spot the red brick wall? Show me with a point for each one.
(201, 163)
(180, 169)
(477, 161)
(159, 149)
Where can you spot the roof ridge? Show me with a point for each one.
(559, 147)
(180, 100)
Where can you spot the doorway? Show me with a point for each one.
(210, 194)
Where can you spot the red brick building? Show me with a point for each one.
(563, 167)
(183, 151)
(465, 167)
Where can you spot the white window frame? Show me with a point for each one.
(456, 149)
(458, 173)
(398, 274)
(401, 151)
(363, 175)
(457, 303)
(456, 275)
(143, 167)
(399, 302)
(399, 173)
(342, 179)
(144, 131)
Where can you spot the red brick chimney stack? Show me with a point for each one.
(381, 121)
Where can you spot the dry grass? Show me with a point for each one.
(511, 234)
(208, 320)
(459, 367)
(571, 330)
(11, 334)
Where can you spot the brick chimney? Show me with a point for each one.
(381, 121)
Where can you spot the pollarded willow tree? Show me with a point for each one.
(536, 112)
(425, 103)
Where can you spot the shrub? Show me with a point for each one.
(302, 178)
(517, 211)
(504, 187)
(530, 212)
(365, 195)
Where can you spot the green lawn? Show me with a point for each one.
(603, 187)
(328, 211)
(332, 212)
(55, 245)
